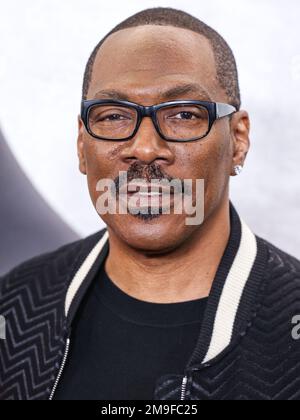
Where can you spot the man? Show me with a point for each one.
(155, 307)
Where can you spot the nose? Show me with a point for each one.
(147, 146)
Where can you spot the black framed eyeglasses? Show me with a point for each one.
(176, 121)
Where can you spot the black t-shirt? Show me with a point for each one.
(121, 346)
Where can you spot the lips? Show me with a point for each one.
(145, 190)
(147, 195)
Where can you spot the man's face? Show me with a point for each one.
(142, 64)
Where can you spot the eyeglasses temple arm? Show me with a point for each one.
(223, 110)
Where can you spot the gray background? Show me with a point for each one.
(44, 46)
(28, 225)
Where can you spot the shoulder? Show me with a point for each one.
(281, 300)
(50, 270)
(280, 263)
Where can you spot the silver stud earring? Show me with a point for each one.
(238, 169)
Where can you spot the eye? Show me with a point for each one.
(110, 114)
(113, 117)
(190, 114)
(184, 115)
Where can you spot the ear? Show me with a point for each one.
(240, 130)
(80, 147)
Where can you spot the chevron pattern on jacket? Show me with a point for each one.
(265, 362)
(261, 362)
(32, 301)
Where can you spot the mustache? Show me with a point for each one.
(147, 173)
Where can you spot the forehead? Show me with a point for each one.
(144, 62)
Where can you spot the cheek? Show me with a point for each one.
(218, 171)
(203, 160)
(209, 161)
(101, 157)
(98, 165)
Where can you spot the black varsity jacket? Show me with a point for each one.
(249, 343)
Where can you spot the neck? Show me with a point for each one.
(178, 276)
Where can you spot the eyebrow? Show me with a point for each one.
(174, 92)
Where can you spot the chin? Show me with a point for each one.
(150, 233)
